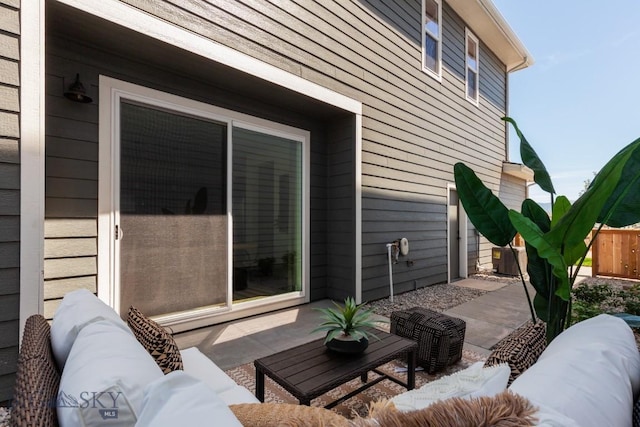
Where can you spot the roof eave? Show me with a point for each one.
(517, 170)
(489, 25)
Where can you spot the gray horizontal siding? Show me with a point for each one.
(71, 204)
(340, 211)
(9, 194)
(512, 191)
(414, 128)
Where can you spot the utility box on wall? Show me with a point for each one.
(504, 262)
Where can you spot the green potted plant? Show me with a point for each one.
(555, 244)
(347, 326)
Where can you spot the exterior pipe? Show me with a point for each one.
(389, 245)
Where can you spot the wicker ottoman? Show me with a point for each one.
(439, 337)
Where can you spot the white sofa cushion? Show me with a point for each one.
(586, 374)
(78, 309)
(200, 366)
(178, 399)
(104, 377)
(474, 381)
(609, 330)
(237, 395)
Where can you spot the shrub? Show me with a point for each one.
(591, 300)
(631, 298)
(593, 294)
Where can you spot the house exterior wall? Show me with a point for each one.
(339, 198)
(512, 191)
(72, 167)
(414, 128)
(9, 193)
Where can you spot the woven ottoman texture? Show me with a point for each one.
(440, 337)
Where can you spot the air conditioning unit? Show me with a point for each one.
(504, 262)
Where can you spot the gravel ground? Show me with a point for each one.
(5, 417)
(437, 297)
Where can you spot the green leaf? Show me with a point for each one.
(560, 207)
(578, 222)
(574, 253)
(539, 240)
(485, 211)
(621, 208)
(538, 268)
(531, 159)
(332, 334)
(535, 213)
(541, 304)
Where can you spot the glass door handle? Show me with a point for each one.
(119, 234)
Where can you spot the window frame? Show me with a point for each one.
(436, 74)
(469, 35)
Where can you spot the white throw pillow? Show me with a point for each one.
(178, 399)
(474, 381)
(78, 309)
(589, 384)
(104, 378)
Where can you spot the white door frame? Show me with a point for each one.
(462, 230)
(112, 91)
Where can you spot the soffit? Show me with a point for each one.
(67, 22)
(517, 170)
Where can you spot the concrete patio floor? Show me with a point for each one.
(489, 318)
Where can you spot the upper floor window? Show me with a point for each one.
(472, 65)
(432, 37)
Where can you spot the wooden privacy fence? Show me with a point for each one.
(615, 253)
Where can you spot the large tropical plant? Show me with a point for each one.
(555, 244)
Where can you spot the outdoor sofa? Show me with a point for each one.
(92, 368)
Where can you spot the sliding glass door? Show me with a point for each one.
(267, 215)
(173, 214)
(203, 210)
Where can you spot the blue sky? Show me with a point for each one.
(579, 104)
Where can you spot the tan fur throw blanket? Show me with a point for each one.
(504, 410)
(286, 415)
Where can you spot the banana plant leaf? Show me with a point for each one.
(579, 220)
(530, 158)
(546, 249)
(485, 211)
(626, 197)
(541, 304)
(538, 268)
(560, 207)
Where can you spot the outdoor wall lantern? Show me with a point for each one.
(77, 92)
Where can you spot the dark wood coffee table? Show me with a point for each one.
(310, 370)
